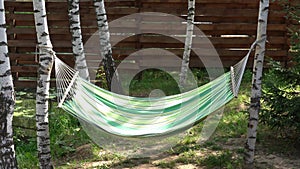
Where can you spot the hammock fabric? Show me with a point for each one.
(142, 117)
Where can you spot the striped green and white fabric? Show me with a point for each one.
(143, 117)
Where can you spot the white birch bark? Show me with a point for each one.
(105, 46)
(45, 65)
(256, 82)
(77, 44)
(7, 100)
(188, 42)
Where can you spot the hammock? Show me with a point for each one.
(128, 116)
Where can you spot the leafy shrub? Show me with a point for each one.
(281, 91)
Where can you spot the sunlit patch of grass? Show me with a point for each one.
(223, 159)
(232, 124)
(25, 108)
(187, 157)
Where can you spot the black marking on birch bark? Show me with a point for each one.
(261, 20)
(36, 11)
(76, 28)
(45, 143)
(43, 138)
(252, 137)
(74, 40)
(2, 10)
(45, 153)
(2, 25)
(101, 14)
(6, 88)
(73, 22)
(40, 130)
(104, 20)
(8, 152)
(49, 59)
(250, 149)
(103, 44)
(266, 8)
(253, 119)
(39, 24)
(43, 101)
(102, 25)
(44, 34)
(259, 61)
(75, 12)
(40, 84)
(41, 94)
(255, 105)
(43, 54)
(255, 100)
(255, 86)
(1, 62)
(43, 72)
(40, 115)
(2, 43)
(43, 16)
(262, 1)
(191, 11)
(7, 73)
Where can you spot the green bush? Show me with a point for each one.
(281, 89)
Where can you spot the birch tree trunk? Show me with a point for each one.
(105, 46)
(188, 42)
(45, 65)
(77, 44)
(7, 100)
(256, 82)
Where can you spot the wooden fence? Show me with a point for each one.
(229, 24)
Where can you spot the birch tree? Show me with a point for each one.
(105, 46)
(256, 82)
(77, 44)
(188, 42)
(7, 100)
(43, 83)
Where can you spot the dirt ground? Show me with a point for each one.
(264, 157)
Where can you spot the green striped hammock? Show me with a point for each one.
(128, 116)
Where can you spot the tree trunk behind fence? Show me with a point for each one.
(256, 83)
(43, 84)
(7, 100)
(105, 46)
(77, 44)
(188, 42)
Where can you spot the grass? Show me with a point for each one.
(66, 134)
(71, 147)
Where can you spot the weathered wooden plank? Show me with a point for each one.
(24, 68)
(31, 43)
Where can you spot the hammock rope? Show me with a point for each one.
(144, 117)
